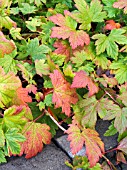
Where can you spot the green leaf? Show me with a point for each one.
(40, 52)
(48, 84)
(33, 23)
(120, 116)
(27, 9)
(9, 64)
(12, 140)
(101, 61)
(111, 130)
(108, 43)
(2, 157)
(87, 14)
(14, 11)
(48, 100)
(2, 138)
(9, 83)
(58, 59)
(15, 33)
(41, 67)
(109, 8)
(28, 71)
(120, 70)
(16, 116)
(6, 22)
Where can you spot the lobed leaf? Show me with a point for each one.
(67, 29)
(82, 80)
(36, 134)
(63, 95)
(121, 4)
(6, 46)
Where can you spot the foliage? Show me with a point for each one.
(62, 61)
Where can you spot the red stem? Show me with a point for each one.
(39, 117)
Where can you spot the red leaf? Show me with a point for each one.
(121, 4)
(6, 46)
(123, 145)
(67, 29)
(63, 95)
(111, 24)
(62, 48)
(31, 88)
(22, 97)
(36, 134)
(82, 80)
(94, 145)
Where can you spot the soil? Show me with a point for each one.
(54, 155)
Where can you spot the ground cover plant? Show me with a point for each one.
(63, 61)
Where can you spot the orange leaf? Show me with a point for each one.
(36, 134)
(22, 97)
(6, 46)
(82, 80)
(111, 24)
(89, 137)
(63, 95)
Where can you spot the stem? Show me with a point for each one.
(109, 163)
(39, 117)
(111, 150)
(111, 97)
(55, 122)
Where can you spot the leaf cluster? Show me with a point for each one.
(62, 61)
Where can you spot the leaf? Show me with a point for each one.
(9, 64)
(36, 134)
(40, 52)
(62, 48)
(120, 122)
(9, 83)
(67, 29)
(58, 58)
(12, 140)
(121, 4)
(27, 72)
(31, 88)
(33, 23)
(121, 158)
(2, 138)
(87, 14)
(111, 130)
(123, 145)
(120, 71)
(41, 67)
(15, 33)
(109, 8)
(91, 107)
(94, 145)
(63, 95)
(6, 22)
(82, 80)
(111, 24)
(27, 9)
(101, 61)
(21, 97)
(17, 116)
(123, 97)
(4, 3)
(2, 157)
(6, 46)
(108, 43)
